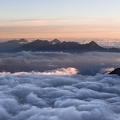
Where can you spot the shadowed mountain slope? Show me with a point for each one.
(53, 46)
(57, 46)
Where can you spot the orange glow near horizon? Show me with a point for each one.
(61, 28)
(71, 33)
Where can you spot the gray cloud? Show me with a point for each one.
(86, 63)
(33, 96)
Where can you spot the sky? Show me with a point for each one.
(62, 19)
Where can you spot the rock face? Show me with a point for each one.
(116, 71)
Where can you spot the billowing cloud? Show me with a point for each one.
(62, 71)
(34, 96)
(59, 72)
(58, 63)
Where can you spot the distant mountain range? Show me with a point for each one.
(52, 46)
(12, 44)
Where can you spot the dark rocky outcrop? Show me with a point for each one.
(116, 71)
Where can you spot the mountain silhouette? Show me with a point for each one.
(55, 41)
(12, 44)
(53, 46)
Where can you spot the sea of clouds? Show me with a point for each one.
(89, 63)
(59, 86)
(43, 96)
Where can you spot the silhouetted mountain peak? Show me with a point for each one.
(20, 41)
(39, 41)
(93, 43)
(12, 44)
(93, 46)
(55, 41)
(56, 46)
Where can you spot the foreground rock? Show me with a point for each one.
(116, 71)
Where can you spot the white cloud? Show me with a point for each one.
(62, 71)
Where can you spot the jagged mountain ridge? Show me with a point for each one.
(11, 44)
(54, 46)
(58, 46)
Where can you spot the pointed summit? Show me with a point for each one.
(93, 46)
(55, 41)
(93, 43)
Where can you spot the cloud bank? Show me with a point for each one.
(32, 96)
(58, 72)
(87, 63)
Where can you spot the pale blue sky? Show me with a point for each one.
(93, 17)
(34, 9)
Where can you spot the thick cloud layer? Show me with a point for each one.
(87, 63)
(33, 96)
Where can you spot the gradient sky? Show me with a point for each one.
(65, 19)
